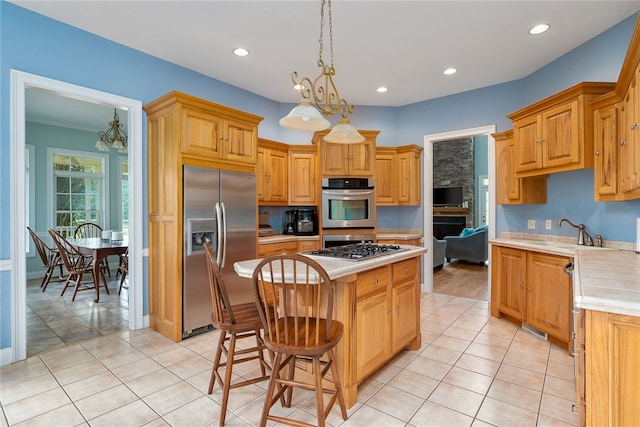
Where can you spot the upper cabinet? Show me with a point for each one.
(555, 134)
(344, 160)
(616, 130)
(397, 178)
(271, 173)
(303, 170)
(211, 131)
(511, 190)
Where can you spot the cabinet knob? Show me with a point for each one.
(529, 289)
(635, 126)
(397, 308)
(375, 281)
(388, 311)
(406, 270)
(597, 153)
(521, 286)
(623, 143)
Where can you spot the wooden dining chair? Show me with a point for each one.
(123, 269)
(77, 265)
(89, 230)
(50, 258)
(235, 321)
(295, 300)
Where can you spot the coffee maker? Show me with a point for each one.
(306, 222)
(289, 222)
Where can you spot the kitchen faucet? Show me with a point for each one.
(583, 236)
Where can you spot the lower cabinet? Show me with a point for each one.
(308, 245)
(268, 249)
(533, 288)
(611, 369)
(412, 242)
(387, 310)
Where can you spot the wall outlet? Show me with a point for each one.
(547, 224)
(531, 224)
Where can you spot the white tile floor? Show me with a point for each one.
(472, 370)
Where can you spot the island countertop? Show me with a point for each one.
(337, 268)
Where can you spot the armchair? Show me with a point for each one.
(439, 249)
(473, 247)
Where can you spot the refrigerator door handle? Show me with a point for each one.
(224, 227)
(219, 233)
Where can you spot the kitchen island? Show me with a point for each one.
(378, 302)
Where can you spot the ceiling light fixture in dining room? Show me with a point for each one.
(115, 136)
(322, 91)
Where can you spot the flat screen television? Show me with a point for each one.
(447, 196)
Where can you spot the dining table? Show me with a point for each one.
(99, 249)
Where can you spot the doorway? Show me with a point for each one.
(429, 140)
(20, 82)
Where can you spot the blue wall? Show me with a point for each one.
(36, 44)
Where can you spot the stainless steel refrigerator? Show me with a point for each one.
(219, 208)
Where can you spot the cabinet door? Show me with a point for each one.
(629, 146)
(385, 182)
(502, 170)
(509, 277)
(335, 159)
(277, 183)
(549, 295)
(201, 133)
(267, 249)
(527, 133)
(605, 141)
(261, 174)
(362, 158)
(561, 138)
(308, 245)
(302, 179)
(372, 320)
(241, 142)
(403, 315)
(409, 179)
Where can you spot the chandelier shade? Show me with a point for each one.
(323, 92)
(305, 117)
(344, 133)
(114, 137)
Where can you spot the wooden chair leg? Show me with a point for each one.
(66, 284)
(269, 400)
(337, 384)
(77, 286)
(216, 360)
(47, 277)
(317, 374)
(227, 377)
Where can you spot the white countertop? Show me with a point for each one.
(605, 279)
(337, 268)
(608, 281)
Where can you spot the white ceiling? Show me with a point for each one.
(404, 45)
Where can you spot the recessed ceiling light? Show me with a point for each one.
(240, 51)
(538, 29)
(382, 89)
(449, 71)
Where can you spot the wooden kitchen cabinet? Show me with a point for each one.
(384, 241)
(409, 181)
(303, 170)
(214, 132)
(397, 178)
(344, 160)
(532, 287)
(271, 173)
(629, 144)
(185, 130)
(278, 248)
(387, 314)
(510, 189)
(555, 134)
(605, 146)
(308, 245)
(611, 349)
(385, 180)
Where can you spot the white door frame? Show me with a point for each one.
(428, 190)
(20, 81)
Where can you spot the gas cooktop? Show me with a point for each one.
(357, 251)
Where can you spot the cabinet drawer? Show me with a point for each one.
(267, 249)
(405, 270)
(372, 281)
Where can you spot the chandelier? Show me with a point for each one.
(115, 136)
(322, 91)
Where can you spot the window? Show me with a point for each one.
(79, 188)
(30, 196)
(124, 195)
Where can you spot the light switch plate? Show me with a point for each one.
(547, 224)
(531, 224)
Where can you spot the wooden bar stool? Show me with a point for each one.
(235, 322)
(295, 299)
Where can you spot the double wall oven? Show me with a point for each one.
(349, 204)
